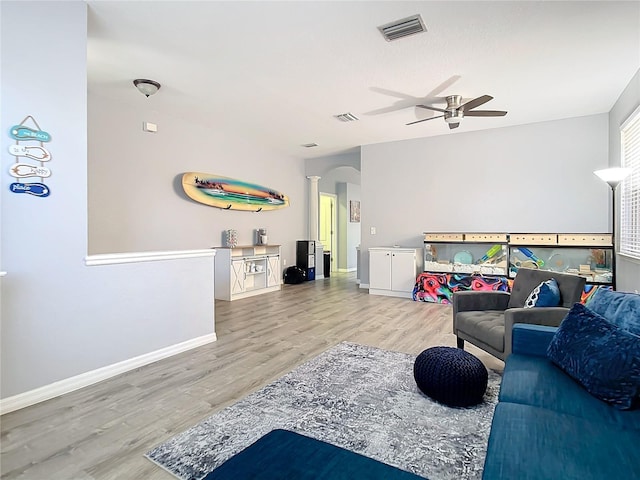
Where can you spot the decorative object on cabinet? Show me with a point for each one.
(231, 194)
(231, 238)
(392, 271)
(245, 271)
(306, 257)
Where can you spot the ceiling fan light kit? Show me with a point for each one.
(456, 110)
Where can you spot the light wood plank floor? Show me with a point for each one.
(103, 431)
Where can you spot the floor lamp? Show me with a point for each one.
(613, 176)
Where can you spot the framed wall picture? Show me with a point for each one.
(354, 211)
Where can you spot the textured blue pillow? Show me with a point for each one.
(547, 294)
(620, 308)
(602, 357)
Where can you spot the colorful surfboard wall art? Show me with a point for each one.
(231, 194)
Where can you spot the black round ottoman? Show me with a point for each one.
(451, 376)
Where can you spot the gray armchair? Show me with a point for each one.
(485, 318)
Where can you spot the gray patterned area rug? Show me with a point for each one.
(361, 398)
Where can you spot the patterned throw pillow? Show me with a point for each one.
(602, 357)
(547, 294)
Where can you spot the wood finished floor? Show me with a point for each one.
(103, 431)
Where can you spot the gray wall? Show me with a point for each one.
(61, 318)
(136, 202)
(528, 178)
(628, 272)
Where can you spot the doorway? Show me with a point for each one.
(328, 225)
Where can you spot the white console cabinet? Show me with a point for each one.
(393, 271)
(246, 271)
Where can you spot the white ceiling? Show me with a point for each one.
(276, 73)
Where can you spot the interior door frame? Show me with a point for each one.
(334, 227)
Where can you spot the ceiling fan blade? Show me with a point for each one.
(485, 113)
(476, 102)
(431, 108)
(453, 125)
(425, 119)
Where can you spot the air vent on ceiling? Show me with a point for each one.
(402, 28)
(310, 145)
(347, 117)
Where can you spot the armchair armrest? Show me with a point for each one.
(547, 316)
(532, 339)
(479, 300)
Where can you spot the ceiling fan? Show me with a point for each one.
(456, 110)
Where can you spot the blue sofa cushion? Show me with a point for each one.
(546, 294)
(620, 308)
(604, 358)
(530, 443)
(537, 382)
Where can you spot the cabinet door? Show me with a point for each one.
(380, 269)
(403, 271)
(237, 276)
(273, 271)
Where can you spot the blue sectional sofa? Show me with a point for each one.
(548, 426)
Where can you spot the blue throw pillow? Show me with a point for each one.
(620, 308)
(601, 356)
(547, 294)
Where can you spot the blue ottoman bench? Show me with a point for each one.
(285, 455)
(451, 376)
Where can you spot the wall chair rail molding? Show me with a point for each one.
(77, 382)
(138, 257)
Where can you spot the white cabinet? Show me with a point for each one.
(273, 270)
(242, 272)
(393, 271)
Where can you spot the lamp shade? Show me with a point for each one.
(146, 87)
(613, 176)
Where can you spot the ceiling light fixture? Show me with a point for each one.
(146, 87)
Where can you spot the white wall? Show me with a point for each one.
(628, 270)
(528, 178)
(136, 202)
(60, 318)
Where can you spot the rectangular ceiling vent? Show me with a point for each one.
(402, 28)
(347, 117)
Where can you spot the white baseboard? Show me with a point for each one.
(71, 384)
(390, 293)
(347, 270)
(364, 285)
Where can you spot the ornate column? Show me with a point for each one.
(314, 221)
